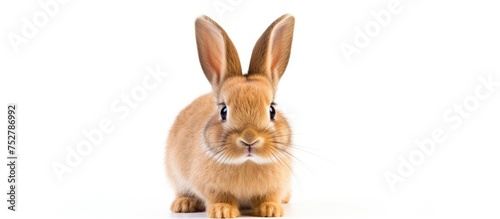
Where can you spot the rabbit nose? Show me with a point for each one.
(248, 144)
(249, 137)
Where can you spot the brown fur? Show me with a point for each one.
(206, 156)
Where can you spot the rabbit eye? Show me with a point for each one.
(223, 113)
(272, 112)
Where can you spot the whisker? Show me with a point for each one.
(296, 160)
(307, 150)
(288, 168)
(209, 149)
(219, 160)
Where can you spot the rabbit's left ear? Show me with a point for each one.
(272, 51)
(218, 57)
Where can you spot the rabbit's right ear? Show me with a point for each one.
(272, 51)
(218, 56)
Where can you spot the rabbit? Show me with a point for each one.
(231, 149)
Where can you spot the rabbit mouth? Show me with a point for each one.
(251, 157)
(239, 156)
(250, 149)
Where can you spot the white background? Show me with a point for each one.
(353, 119)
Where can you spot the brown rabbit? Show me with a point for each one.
(231, 149)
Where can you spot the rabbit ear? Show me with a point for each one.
(218, 56)
(272, 51)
